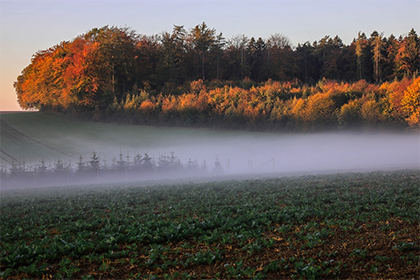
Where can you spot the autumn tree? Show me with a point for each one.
(411, 104)
(32, 85)
(82, 78)
(349, 115)
(319, 111)
(407, 59)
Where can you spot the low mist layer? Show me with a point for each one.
(33, 141)
(307, 152)
(229, 155)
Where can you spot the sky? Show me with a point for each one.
(27, 26)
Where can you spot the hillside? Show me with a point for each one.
(29, 138)
(32, 136)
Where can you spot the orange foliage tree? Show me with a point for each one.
(320, 111)
(411, 104)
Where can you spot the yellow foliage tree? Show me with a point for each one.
(350, 114)
(297, 108)
(320, 109)
(410, 104)
(370, 112)
(395, 92)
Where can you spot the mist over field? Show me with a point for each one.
(342, 151)
(29, 138)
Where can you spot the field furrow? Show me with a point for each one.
(343, 226)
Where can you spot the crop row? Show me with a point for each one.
(330, 226)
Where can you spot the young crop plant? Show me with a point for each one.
(259, 229)
(308, 271)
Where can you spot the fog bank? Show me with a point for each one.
(238, 154)
(307, 152)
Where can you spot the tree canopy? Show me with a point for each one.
(110, 67)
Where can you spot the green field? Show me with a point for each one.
(354, 225)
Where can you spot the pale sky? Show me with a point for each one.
(27, 26)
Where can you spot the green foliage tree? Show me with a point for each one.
(328, 51)
(280, 56)
(350, 114)
(217, 51)
(236, 55)
(390, 52)
(360, 43)
(202, 38)
(115, 58)
(257, 50)
(308, 71)
(377, 47)
(173, 63)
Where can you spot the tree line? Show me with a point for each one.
(104, 70)
(95, 170)
(273, 105)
